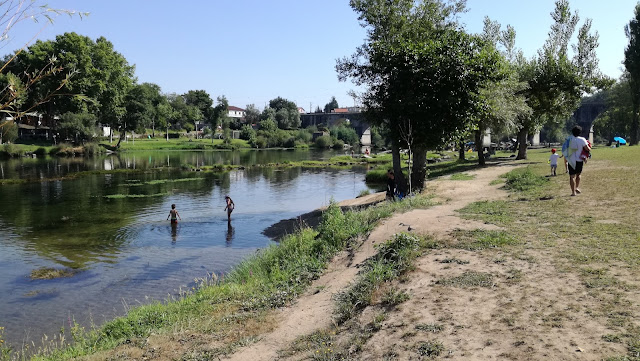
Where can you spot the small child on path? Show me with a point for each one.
(173, 213)
(230, 206)
(553, 161)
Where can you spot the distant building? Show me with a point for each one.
(340, 110)
(301, 110)
(235, 112)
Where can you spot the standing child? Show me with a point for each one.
(553, 161)
(173, 213)
(230, 206)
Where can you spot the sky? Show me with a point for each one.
(252, 51)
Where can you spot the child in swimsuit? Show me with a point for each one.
(230, 206)
(173, 213)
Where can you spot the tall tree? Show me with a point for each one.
(101, 77)
(556, 81)
(139, 110)
(286, 113)
(422, 73)
(632, 64)
(617, 119)
(331, 105)
(501, 102)
(220, 114)
(252, 114)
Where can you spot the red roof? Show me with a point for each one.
(231, 107)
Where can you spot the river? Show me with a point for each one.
(110, 230)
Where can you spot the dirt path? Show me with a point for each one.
(314, 309)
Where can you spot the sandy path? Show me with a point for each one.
(313, 311)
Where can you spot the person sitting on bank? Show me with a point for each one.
(391, 185)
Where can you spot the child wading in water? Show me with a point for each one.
(230, 206)
(553, 161)
(173, 213)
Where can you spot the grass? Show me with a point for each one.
(595, 236)
(160, 143)
(462, 176)
(51, 273)
(234, 308)
(392, 259)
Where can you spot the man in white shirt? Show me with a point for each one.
(576, 145)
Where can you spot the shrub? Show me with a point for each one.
(11, 150)
(40, 152)
(323, 142)
(524, 180)
(338, 144)
(247, 132)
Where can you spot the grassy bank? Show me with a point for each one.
(595, 236)
(178, 144)
(232, 309)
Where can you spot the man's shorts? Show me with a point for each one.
(578, 169)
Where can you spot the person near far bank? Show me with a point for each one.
(577, 145)
(230, 206)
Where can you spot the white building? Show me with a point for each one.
(235, 112)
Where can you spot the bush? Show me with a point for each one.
(40, 152)
(92, 148)
(247, 132)
(260, 142)
(338, 144)
(8, 131)
(290, 143)
(10, 150)
(346, 134)
(323, 142)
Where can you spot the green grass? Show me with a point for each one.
(392, 259)
(160, 143)
(462, 176)
(595, 235)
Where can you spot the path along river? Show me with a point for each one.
(121, 249)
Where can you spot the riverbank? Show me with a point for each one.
(490, 281)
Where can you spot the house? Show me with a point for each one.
(235, 112)
(301, 110)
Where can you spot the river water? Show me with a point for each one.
(121, 249)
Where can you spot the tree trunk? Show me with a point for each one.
(122, 135)
(401, 181)
(635, 122)
(461, 151)
(153, 129)
(419, 169)
(522, 144)
(480, 147)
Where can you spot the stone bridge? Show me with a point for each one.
(356, 119)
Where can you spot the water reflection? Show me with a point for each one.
(174, 232)
(230, 233)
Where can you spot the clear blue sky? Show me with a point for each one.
(254, 51)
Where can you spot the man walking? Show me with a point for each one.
(573, 156)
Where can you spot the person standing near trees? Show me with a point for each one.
(572, 154)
